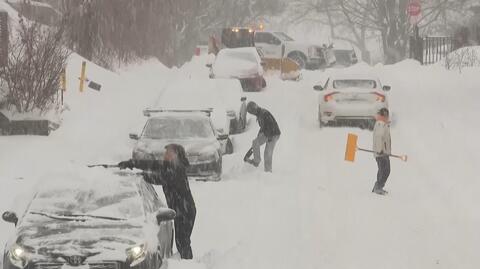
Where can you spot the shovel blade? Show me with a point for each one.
(351, 148)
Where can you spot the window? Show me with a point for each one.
(354, 83)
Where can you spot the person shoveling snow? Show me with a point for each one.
(268, 134)
(382, 148)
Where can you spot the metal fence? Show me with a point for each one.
(436, 48)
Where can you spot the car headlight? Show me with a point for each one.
(136, 254)
(208, 156)
(17, 256)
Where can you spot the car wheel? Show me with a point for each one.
(299, 59)
(229, 147)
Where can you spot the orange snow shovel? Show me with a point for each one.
(352, 148)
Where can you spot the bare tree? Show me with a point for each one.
(35, 62)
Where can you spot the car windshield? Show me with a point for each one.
(283, 36)
(178, 128)
(117, 201)
(243, 55)
(354, 83)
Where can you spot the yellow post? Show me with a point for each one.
(63, 81)
(82, 76)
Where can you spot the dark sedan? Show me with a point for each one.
(106, 223)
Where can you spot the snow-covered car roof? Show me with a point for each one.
(95, 192)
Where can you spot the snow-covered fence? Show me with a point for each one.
(436, 48)
(429, 50)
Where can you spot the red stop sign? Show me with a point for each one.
(414, 9)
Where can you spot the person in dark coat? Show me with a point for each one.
(268, 134)
(172, 175)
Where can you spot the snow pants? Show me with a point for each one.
(183, 231)
(268, 153)
(383, 163)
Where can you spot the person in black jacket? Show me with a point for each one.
(268, 134)
(171, 174)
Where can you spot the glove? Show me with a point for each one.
(126, 164)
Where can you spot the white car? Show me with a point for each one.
(243, 64)
(224, 96)
(351, 99)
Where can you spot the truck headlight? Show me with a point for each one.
(136, 254)
(17, 256)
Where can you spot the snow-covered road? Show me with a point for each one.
(315, 210)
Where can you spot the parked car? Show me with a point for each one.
(307, 55)
(98, 222)
(351, 99)
(243, 64)
(224, 96)
(345, 57)
(193, 130)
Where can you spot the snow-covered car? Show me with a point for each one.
(224, 96)
(278, 45)
(98, 223)
(351, 99)
(345, 57)
(243, 64)
(193, 130)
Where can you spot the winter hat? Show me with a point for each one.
(181, 155)
(252, 107)
(383, 112)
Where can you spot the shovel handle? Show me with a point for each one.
(103, 165)
(401, 157)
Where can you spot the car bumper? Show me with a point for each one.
(205, 171)
(255, 83)
(349, 112)
(148, 263)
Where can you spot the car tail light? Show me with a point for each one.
(380, 97)
(329, 96)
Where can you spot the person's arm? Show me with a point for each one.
(154, 177)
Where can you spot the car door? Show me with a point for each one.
(269, 44)
(153, 204)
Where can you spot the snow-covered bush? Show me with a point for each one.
(35, 62)
(463, 58)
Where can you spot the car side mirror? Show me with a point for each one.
(318, 88)
(387, 88)
(165, 214)
(222, 137)
(134, 136)
(10, 216)
(209, 65)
